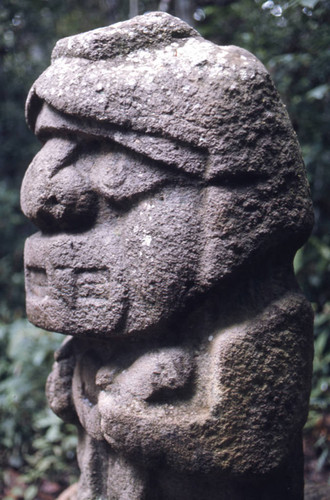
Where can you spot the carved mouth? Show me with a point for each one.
(74, 285)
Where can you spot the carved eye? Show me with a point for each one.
(120, 175)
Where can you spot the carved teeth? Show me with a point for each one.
(91, 283)
(64, 282)
(37, 281)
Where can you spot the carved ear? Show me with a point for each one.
(226, 245)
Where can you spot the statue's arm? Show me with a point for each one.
(225, 419)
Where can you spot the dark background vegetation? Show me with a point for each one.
(292, 39)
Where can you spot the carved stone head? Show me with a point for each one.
(168, 168)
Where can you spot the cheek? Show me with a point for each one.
(162, 248)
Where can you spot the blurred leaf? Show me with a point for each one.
(31, 492)
(318, 92)
(308, 3)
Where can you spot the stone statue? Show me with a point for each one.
(171, 198)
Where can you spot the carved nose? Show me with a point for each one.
(56, 193)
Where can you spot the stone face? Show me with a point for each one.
(171, 197)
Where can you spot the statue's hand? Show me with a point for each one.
(145, 398)
(155, 377)
(59, 382)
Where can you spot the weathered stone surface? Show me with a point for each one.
(171, 197)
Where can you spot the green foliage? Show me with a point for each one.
(31, 436)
